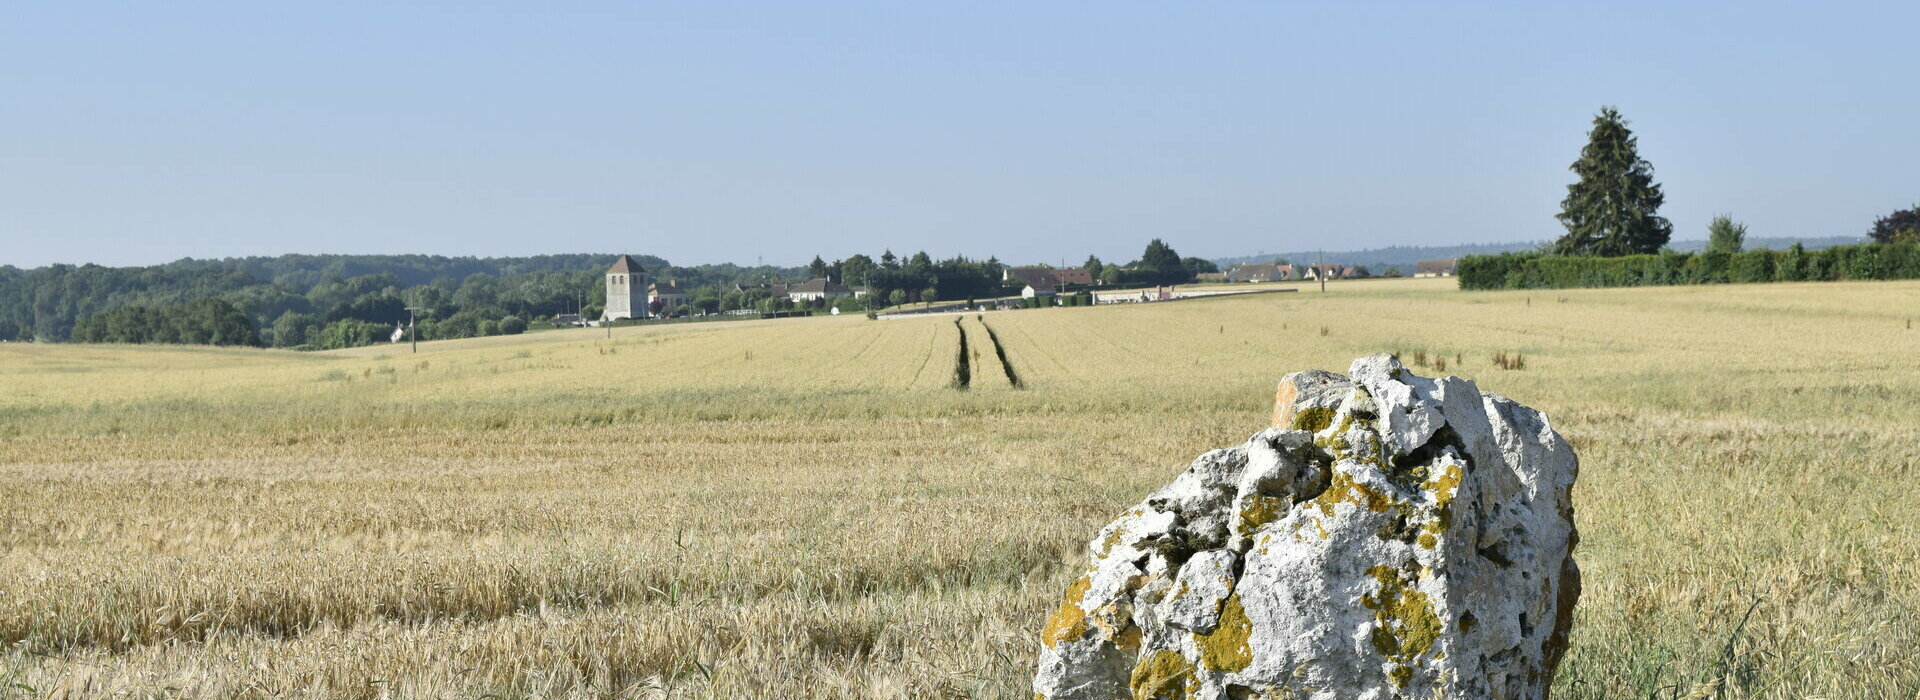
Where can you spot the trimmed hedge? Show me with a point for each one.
(1868, 261)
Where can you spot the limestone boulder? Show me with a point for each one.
(1391, 536)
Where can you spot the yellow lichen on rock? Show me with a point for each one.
(1312, 420)
(1162, 675)
(1069, 623)
(1118, 531)
(1405, 626)
(1261, 509)
(1344, 489)
(1226, 648)
(1444, 486)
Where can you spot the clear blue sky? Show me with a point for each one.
(141, 132)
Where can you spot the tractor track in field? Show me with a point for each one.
(962, 372)
(1000, 351)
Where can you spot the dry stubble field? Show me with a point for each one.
(806, 507)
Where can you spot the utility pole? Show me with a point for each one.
(413, 333)
(1320, 269)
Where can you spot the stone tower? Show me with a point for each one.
(626, 290)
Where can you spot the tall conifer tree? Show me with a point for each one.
(1614, 208)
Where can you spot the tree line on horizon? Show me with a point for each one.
(920, 278)
(322, 301)
(336, 301)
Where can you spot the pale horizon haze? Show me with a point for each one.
(141, 133)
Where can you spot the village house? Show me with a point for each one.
(1435, 268)
(1072, 275)
(1037, 289)
(816, 288)
(669, 294)
(1046, 277)
(1265, 272)
(1336, 272)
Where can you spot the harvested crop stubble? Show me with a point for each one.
(824, 518)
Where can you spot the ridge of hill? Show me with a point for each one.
(1379, 260)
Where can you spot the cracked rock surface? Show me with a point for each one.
(1391, 536)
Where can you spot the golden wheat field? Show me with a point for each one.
(812, 508)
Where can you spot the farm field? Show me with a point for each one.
(820, 507)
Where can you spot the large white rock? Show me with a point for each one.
(1392, 536)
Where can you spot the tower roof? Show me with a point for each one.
(626, 263)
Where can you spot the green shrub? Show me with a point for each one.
(1791, 266)
(1751, 266)
(1490, 271)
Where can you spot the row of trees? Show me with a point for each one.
(1158, 264)
(919, 278)
(1868, 261)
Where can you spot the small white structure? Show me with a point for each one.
(1037, 289)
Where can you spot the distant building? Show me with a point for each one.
(1036, 290)
(1046, 276)
(626, 295)
(1336, 272)
(1265, 272)
(1211, 277)
(816, 288)
(1072, 275)
(567, 320)
(1436, 268)
(669, 294)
